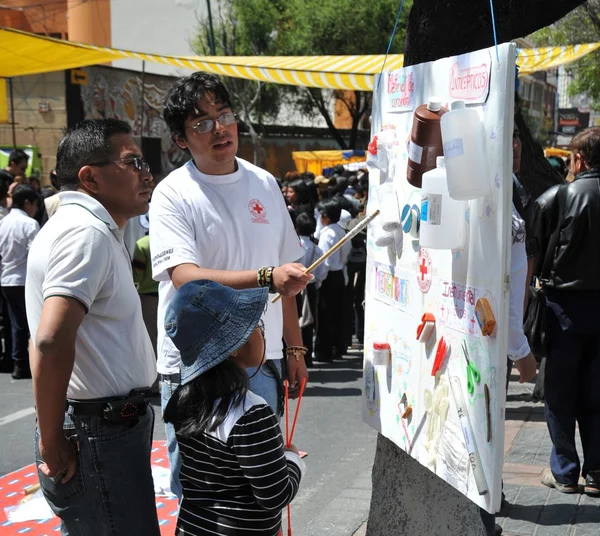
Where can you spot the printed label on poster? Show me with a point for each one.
(457, 307)
(453, 148)
(390, 288)
(470, 77)
(415, 152)
(401, 90)
(424, 270)
(431, 209)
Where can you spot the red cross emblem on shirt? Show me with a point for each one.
(258, 212)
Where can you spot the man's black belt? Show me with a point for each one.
(116, 409)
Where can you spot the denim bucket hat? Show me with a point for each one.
(208, 321)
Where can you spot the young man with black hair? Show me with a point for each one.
(92, 359)
(223, 219)
(17, 231)
(330, 343)
(18, 160)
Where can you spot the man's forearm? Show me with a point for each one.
(51, 371)
(238, 279)
(291, 327)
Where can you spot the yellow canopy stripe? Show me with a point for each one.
(23, 53)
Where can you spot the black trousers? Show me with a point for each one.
(355, 296)
(15, 303)
(6, 336)
(330, 341)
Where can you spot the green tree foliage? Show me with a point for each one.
(580, 26)
(302, 28)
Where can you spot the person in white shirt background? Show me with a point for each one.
(223, 219)
(305, 227)
(17, 231)
(330, 342)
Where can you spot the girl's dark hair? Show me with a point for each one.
(193, 407)
(313, 191)
(301, 190)
(182, 98)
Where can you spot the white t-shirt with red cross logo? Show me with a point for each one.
(222, 222)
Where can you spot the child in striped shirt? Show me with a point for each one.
(236, 473)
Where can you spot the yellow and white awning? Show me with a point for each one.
(22, 53)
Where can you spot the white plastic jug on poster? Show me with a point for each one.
(442, 218)
(388, 207)
(463, 135)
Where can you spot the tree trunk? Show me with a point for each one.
(440, 29)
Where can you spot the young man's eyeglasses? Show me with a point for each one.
(203, 127)
(138, 163)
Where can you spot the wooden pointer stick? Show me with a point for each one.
(357, 229)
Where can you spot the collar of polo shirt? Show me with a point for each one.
(91, 205)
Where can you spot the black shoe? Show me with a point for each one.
(592, 484)
(497, 530)
(21, 374)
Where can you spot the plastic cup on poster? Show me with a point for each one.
(388, 206)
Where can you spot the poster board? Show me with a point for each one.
(405, 281)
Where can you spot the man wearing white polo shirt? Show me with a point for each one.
(221, 218)
(92, 359)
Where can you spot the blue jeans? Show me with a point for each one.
(170, 382)
(262, 383)
(571, 383)
(112, 492)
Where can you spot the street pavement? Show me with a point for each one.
(334, 496)
(335, 493)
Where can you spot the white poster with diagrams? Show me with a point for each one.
(437, 317)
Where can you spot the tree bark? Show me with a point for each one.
(437, 29)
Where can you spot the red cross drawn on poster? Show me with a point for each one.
(424, 270)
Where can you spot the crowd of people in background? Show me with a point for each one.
(323, 209)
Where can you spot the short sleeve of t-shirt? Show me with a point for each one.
(172, 237)
(73, 267)
(290, 247)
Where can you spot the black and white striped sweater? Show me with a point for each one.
(237, 479)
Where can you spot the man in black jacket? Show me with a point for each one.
(571, 275)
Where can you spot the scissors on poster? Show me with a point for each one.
(473, 375)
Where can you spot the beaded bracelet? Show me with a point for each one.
(269, 278)
(264, 278)
(296, 351)
(260, 277)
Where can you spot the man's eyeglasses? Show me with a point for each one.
(203, 127)
(138, 163)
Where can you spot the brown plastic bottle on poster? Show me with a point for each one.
(425, 143)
